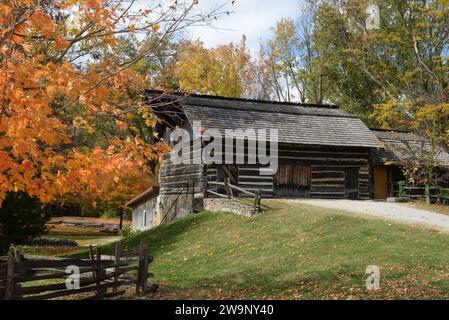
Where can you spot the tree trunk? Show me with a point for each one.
(121, 219)
(427, 194)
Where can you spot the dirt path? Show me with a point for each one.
(390, 211)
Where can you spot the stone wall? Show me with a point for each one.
(227, 205)
(186, 204)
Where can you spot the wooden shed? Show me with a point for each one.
(144, 209)
(385, 162)
(323, 152)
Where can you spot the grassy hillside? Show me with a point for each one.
(294, 251)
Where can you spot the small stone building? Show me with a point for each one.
(144, 206)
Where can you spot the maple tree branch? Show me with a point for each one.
(174, 27)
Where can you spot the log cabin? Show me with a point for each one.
(322, 151)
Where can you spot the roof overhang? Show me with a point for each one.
(144, 196)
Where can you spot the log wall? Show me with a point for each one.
(173, 177)
(328, 169)
(328, 166)
(181, 190)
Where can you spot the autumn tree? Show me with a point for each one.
(278, 64)
(289, 66)
(158, 68)
(395, 76)
(225, 70)
(421, 164)
(68, 105)
(402, 64)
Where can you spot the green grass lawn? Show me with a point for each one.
(294, 251)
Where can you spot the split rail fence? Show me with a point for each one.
(29, 278)
(437, 195)
(230, 193)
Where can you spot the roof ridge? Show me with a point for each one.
(214, 97)
(260, 106)
(343, 115)
(388, 130)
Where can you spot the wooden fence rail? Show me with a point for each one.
(438, 195)
(230, 194)
(23, 277)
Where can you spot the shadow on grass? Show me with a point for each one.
(263, 285)
(156, 238)
(325, 284)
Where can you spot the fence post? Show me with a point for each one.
(139, 270)
(9, 290)
(145, 269)
(92, 259)
(98, 272)
(257, 201)
(193, 188)
(227, 187)
(118, 253)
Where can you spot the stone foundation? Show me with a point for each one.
(186, 204)
(227, 205)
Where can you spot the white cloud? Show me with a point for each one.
(253, 18)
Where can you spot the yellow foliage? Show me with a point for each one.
(225, 70)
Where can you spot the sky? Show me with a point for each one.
(253, 18)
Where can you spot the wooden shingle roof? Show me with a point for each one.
(400, 146)
(296, 123)
(144, 196)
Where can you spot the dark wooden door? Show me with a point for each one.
(292, 181)
(352, 183)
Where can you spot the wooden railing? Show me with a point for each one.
(21, 276)
(440, 195)
(230, 193)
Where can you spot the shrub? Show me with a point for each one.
(401, 185)
(22, 218)
(128, 231)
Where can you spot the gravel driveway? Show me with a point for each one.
(391, 211)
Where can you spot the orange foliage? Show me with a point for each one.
(44, 99)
